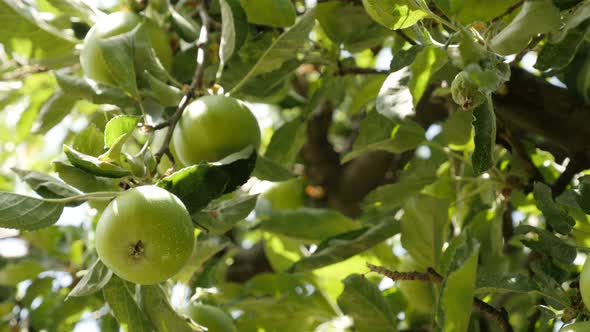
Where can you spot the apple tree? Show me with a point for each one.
(291, 165)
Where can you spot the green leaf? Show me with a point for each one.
(469, 11)
(559, 55)
(456, 299)
(554, 215)
(53, 111)
(96, 277)
(344, 246)
(286, 142)
(94, 165)
(185, 26)
(404, 58)
(348, 24)
(485, 137)
(233, 30)
(93, 91)
(363, 301)
(89, 141)
(392, 196)
(118, 54)
(13, 273)
(572, 18)
(221, 215)
(400, 136)
(118, 127)
(311, 224)
(276, 13)
(120, 297)
(24, 33)
(457, 128)
(427, 63)
(167, 95)
(394, 14)
(500, 282)
(155, 304)
(198, 185)
(548, 244)
(46, 185)
(27, 213)
(83, 181)
(205, 248)
(284, 48)
(270, 170)
(423, 226)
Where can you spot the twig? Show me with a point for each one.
(356, 70)
(195, 89)
(508, 11)
(500, 316)
(24, 71)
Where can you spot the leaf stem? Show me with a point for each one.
(96, 196)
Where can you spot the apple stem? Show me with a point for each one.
(194, 90)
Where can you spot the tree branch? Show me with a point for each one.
(500, 316)
(194, 90)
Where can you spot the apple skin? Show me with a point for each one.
(145, 235)
(286, 195)
(576, 327)
(91, 58)
(213, 318)
(213, 127)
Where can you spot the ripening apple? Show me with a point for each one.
(576, 327)
(145, 235)
(213, 127)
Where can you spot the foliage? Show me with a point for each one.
(443, 143)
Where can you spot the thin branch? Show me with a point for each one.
(194, 90)
(356, 70)
(24, 71)
(500, 316)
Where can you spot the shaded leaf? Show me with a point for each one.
(198, 185)
(284, 48)
(53, 111)
(548, 244)
(554, 215)
(485, 137)
(93, 91)
(363, 301)
(94, 165)
(341, 247)
(119, 296)
(276, 13)
(46, 185)
(221, 215)
(155, 304)
(308, 223)
(267, 169)
(423, 228)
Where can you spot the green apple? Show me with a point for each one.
(286, 195)
(213, 127)
(145, 235)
